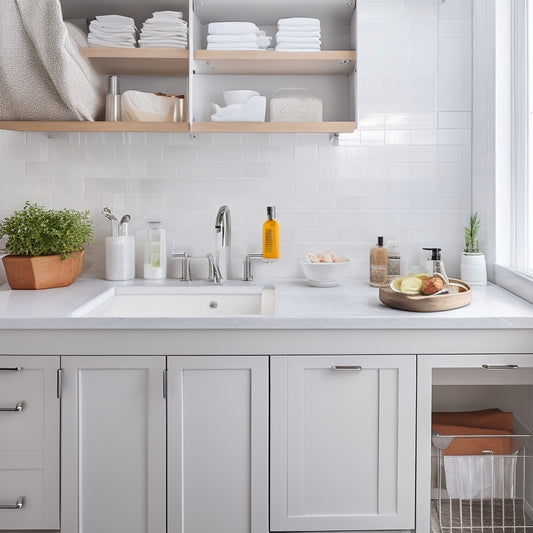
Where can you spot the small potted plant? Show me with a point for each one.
(473, 265)
(45, 246)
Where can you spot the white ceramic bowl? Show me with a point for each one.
(238, 97)
(325, 274)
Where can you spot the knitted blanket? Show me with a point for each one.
(42, 74)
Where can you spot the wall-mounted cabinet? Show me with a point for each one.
(204, 74)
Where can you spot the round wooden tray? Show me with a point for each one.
(427, 304)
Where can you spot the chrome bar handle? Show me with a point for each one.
(346, 367)
(248, 265)
(499, 367)
(18, 505)
(11, 369)
(18, 408)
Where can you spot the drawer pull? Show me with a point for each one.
(18, 408)
(18, 505)
(346, 367)
(11, 369)
(499, 367)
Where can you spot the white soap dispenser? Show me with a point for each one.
(435, 265)
(155, 252)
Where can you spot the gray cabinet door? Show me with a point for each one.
(113, 445)
(29, 443)
(342, 443)
(218, 444)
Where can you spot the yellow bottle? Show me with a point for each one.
(271, 235)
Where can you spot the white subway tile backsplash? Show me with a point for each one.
(404, 173)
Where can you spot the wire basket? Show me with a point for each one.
(487, 492)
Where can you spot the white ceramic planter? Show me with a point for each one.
(474, 268)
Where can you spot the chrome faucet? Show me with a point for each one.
(223, 226)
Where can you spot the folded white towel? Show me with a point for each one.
(298, 40)
(293, 47)
(161, 44)
(243, 37)
(233, 46)
(298, 28)
(117, 36)
(295, 33)
(167, 14)
(115, 19)
(159, 41)
(231, 28)
(114, 28)
(115, 44)
(157, 23)
(299, 21)
(127, 37)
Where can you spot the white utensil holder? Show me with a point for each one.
(120, 258)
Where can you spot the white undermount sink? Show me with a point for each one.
(188, 301)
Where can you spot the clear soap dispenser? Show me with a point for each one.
(435, 265)
(155, 254)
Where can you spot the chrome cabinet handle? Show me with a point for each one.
(499, 367)
(19, 407)
(11, 369)
(346, 367)
(18, 505)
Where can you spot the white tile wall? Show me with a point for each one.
(404, 174)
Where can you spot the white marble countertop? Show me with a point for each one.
(353, 305)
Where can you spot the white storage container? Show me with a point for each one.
(295, 105)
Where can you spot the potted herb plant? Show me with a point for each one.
(473, 265)
(45, 246)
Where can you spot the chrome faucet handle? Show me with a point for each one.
(248, 265)
(185, 265)
(214, 272)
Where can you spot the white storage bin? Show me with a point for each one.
(295, 105)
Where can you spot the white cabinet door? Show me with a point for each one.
(342, 443)
(113, 445)
(29, 443)
(218, 444)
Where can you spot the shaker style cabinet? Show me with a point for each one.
(202, 74)
(218, 444)
(29, 443)
(113, 465)
(342, 443)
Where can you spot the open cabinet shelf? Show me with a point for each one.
(274, 127)
(94, 126)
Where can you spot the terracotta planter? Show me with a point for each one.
(42, 272)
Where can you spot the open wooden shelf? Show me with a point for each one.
(93, 126)
(274, 127)
(328, 62)
(138, 61)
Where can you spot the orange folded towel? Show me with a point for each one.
(486, 418)
(491, 422)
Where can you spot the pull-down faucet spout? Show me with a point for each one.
(223, 225)
(223, 245)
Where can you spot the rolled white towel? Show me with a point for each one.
(299, 21)
(236, 38)
(294, 33)
(231, 28)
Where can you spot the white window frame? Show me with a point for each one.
(513, 268)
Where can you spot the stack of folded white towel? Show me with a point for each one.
(236, 36)
(298, 34)
(164, 29)
(112, 30)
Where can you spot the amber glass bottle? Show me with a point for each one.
(378, 265)
(271, 235)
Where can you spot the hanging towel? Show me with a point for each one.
(231, 28)
(42, 74)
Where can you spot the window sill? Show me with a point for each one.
(514, 281)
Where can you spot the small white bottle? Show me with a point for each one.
(155, 253)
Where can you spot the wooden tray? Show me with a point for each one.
(427, 304)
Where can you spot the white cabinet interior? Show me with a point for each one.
(218, 444)
(29, 443)
(113, 445)
(342, 443)
(203, 74)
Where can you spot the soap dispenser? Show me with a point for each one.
(271, 235)
(435, 265)
(155, 255)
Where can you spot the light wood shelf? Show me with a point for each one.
(138, 61)
(94, 126)
(274, 127)
(328, 62)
